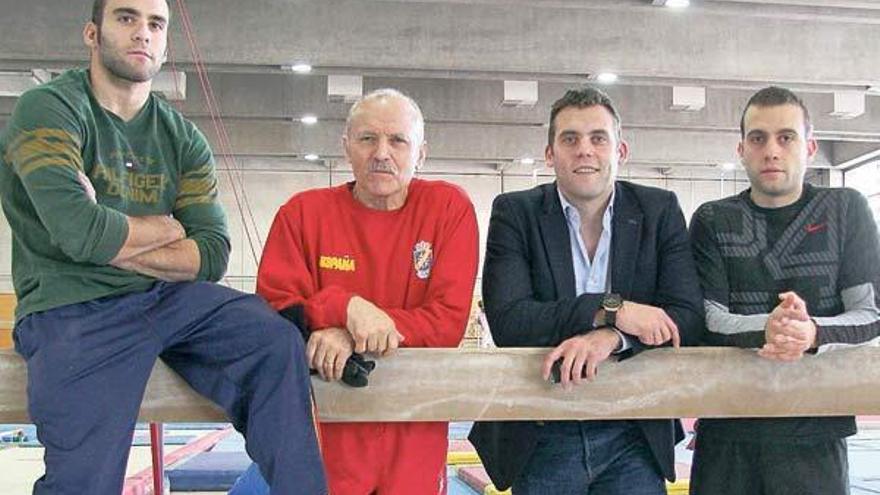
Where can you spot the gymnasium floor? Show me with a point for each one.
(21, 458)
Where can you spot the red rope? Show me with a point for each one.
(226, 150)
(177, 104)
(224, 143)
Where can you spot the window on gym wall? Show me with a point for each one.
(866, 179)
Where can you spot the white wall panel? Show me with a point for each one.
(522, 182)
(684, 191)
(481, 189)
(265, 192)
(341, 176)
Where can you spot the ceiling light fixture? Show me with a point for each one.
(312, 157)
(528, 161)
(672, 4)
(309, 119)
(728, 166)
(606, 78)
(299, 68)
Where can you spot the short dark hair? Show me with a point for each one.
(772, 96)
(98, 11)
(584, 97)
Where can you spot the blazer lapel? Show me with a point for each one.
(625, 241)
(554, 233)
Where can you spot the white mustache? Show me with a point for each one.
(382, 167)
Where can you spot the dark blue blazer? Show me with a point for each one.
(529, 296)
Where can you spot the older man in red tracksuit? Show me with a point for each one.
(383, 261)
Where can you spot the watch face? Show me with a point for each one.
(612, 301)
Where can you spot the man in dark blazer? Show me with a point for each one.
(591, 267)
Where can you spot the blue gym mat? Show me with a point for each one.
(232, 443)
(208, 471)
(459, 430)
(27, 437)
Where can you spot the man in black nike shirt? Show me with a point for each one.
(788, 268)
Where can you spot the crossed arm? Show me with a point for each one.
(155, 245)
(175, 261)
(45, 152)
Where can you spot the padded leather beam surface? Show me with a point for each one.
(455, 384)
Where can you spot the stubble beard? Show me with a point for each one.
(780, 188)
(601, 181)
(116, 65)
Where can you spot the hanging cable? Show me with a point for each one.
(170, 50)
(233, 169)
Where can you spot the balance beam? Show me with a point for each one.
(504, 384)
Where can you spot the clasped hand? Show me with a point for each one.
(789, 331)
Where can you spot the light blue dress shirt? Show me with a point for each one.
(590, 276)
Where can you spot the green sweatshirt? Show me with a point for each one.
(158, 163)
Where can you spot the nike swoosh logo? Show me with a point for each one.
(815, 227)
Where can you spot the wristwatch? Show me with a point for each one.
(611, 303)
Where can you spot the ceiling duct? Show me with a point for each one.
(13, 84)
(848, 104)
(520, 93)
(348, 89)
(688, 98)
(171, 85)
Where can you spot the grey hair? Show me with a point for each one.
(390, 93)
